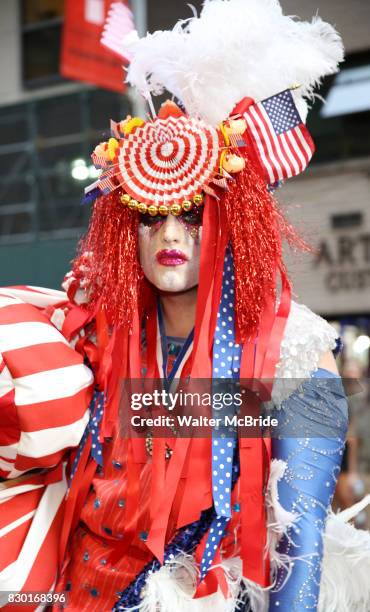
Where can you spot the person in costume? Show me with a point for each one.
(181, 277)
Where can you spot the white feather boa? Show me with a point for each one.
(345, 584)
(236, 48)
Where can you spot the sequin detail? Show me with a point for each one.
(306, 338)
(306, 489)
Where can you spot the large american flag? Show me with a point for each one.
(281, 140)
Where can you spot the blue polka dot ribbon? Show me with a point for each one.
(93, 425)
(215, 535)
(226, 365)
(96, 408)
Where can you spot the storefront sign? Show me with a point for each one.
(347, 259)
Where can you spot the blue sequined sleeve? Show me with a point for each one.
(317, 413)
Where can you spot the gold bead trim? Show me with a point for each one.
(162, 209)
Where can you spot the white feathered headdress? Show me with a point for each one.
(235, 48)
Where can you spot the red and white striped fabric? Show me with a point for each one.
(119, 24)
(167, 160)
(45, 390)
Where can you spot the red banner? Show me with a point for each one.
(83, 57)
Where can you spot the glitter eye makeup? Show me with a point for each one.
(150, 221)
(193, 217)
(190, 219)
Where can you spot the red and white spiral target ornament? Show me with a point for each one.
(167, 161)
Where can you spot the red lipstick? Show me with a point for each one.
(171, 257)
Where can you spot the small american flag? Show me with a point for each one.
(281, 140)
(106, 184)
(99, 161)
(236, 140)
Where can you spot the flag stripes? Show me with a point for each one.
(45, 390)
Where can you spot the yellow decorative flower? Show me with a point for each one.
(129, 124)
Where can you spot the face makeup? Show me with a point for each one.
(171, 257)
(170, 250)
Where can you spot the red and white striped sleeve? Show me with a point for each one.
(45, 390)
(31, 516)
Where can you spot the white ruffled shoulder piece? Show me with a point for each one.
(306, 339)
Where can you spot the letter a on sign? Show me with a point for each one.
(83, 57)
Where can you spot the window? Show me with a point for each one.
(341, 126)
(347, 220)
(41, 29)
(45, 162)
(350, 92)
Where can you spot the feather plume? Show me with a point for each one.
(235, 48)
(241, 589)
(279, 521)
(345, 584)
(170, 588)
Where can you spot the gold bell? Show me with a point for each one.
(236, 126)
(175, 210)
(233, 163)
(133, 204)
(163, 210)
(125, 199)
(198, 199)
(187, 205)
(153, 210)
(142, 208)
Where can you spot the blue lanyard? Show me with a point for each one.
(168, 379)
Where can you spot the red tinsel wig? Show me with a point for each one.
(255, 226)
(113, 275)
(257, 230)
